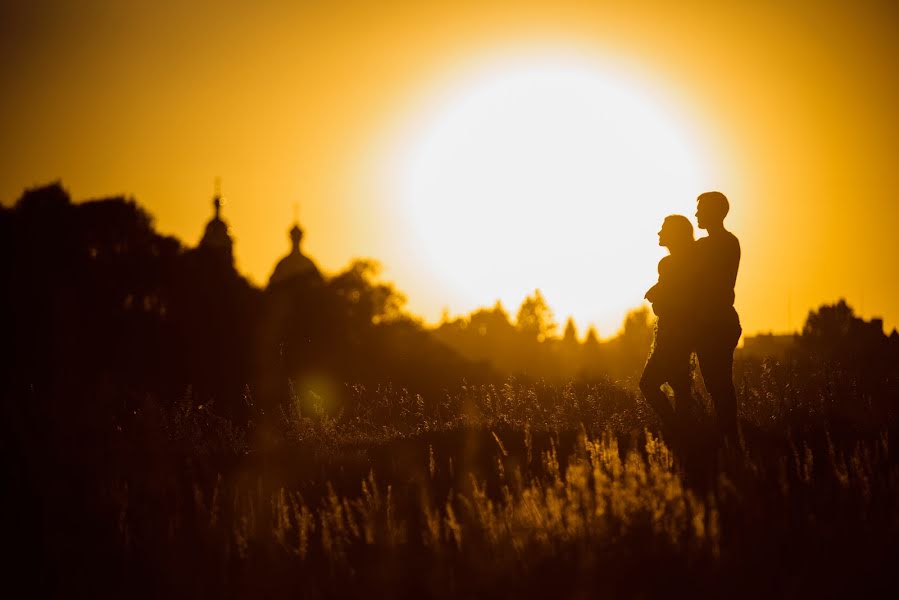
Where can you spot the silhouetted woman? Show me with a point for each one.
(669, 359)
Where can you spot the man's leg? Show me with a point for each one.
(716, 363)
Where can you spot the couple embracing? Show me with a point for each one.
(694, 303)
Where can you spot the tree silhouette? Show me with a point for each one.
(628, 351)
(89, 290)
(830, 323)
(569, 338)
(592, 338)
(535, 318)
(368, 300)
(833, 332)
(102, 305)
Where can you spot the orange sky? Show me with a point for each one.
(287, 101)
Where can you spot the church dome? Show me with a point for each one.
(295, 264)
(216, 235)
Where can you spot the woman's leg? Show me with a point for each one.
(654, 375)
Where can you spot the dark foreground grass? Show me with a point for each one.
(515, 490)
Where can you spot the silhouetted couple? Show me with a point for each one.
(694, 303)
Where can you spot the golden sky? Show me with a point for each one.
(790, 110)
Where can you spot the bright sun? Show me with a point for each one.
(549, 174)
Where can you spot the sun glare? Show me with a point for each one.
(551, 174)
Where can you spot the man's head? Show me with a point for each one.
(711, 208)
(676, 232)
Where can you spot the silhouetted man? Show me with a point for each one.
(717, 324)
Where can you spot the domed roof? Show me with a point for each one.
(216, 235)
(295, 264)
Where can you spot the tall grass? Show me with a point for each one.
(518, 489)
(522, 489)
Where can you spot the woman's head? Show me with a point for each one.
(676, 232)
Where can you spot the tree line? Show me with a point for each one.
(100, 305)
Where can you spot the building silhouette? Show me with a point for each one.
(295, 264)
(216, 236)
(768, 345)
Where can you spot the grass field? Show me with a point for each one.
(519, 489)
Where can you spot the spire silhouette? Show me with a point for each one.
(216, 235)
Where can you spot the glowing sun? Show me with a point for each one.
(548, 173)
